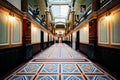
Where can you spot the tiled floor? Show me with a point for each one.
(60, 62)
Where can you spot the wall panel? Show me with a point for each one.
(4, 29)
(103, 31)
(84, 34)
(17, 32)
(16, 3)
(115, 28)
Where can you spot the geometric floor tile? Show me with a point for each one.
(57, 63)
(98, 77)
(21, 77)
(30, 68)
(69, 68)
(72, 77)
(50, 68)
(47, 77)
(89, 68)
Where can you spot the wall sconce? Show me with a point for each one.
(107, 17)
(11, 16)
(85, 28)
(46, 34)
(34, 28)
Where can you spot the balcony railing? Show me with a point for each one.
(35, 17)
(87, 13)
(104, 2)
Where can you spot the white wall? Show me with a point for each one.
(45, 37)
(16, 3)
(74, 40)
(35, 34)
(84, 34)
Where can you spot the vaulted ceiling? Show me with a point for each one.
(59, 9)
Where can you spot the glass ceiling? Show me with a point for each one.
(60, 20)
(59, 1)
(60, 12)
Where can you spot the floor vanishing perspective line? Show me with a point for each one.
(60, 62)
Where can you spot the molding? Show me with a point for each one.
(6, 5)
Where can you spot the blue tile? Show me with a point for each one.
(69, 68)
(73, 77)
(98, 77)
(47, 77)
(30, 68)
(50, 68)
(22, 77)
(89, 68)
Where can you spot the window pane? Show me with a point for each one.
(3, 28)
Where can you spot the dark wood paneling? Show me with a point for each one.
(108, 55)
(42, 39)
(36, 48)
(84, 48)
(10, 58)
(77, 41)
(45, 45)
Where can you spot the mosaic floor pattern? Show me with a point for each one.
(21, 77)
(60, 62)
(98, 77)
(69, 68)
(30, 68)
(89, 68)
(73, 77)
(50, 68)
(47, 77)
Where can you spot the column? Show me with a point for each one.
(67, 28)
(48, 40)
(92, 38)
(71, 39)
(93, 31)
(47, 19)
(24, 5)
(77, 41)
(73, 17)
(26, 31)
(95, 5)
(27, 38)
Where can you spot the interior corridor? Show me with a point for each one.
(59, 62)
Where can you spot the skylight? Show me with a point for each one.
(59, 1)
(60, 20)
(60, 11)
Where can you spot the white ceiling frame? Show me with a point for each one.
(61, 12)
